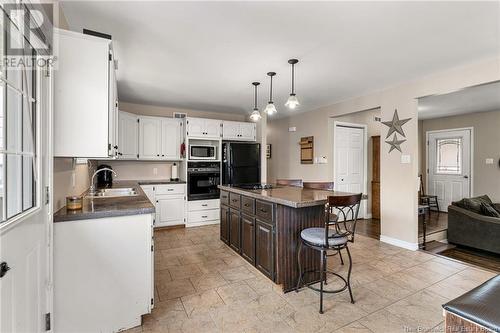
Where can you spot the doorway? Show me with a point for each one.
(449, 155)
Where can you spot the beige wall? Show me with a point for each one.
(140, 170)
(486, 138)
(398, 181)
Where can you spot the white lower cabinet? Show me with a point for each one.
(169, 201)
(103, 273)
(203, 212)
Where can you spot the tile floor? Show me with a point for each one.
(203, 286)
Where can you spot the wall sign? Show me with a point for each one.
(395, 127)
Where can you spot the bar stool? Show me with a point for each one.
(335, 235)
(289, 182)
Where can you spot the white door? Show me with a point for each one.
(171, 139)
(195, 127)
(169, 210)
(25, 213)
(448, 167)
(230, 130)
(149, 138)
(247, 131)
(128, 135)
(212, 128)
(349, 160)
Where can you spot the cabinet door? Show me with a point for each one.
(234, 230)
(248, 238)
(169, 210)
(230, 130)
(170, 139)
(113, 108)
(247, 131)
(264, 246)
(195, 127)
(224, 224)
(149, 190)
(212, 128)
(128, 135)
(149, 138)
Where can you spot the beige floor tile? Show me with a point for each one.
(261, 285)
(184, 271)
(230, 318)
(454, 286)
(421, 310)
(208, 281)
(192, 258)
(213, 266)
(237, 293)
(478, 275)
(355, 327)
(201, 302)
(366, 299)
(388, 289)
(308, 319)
(175, 289)
(237, 274)
(384, 322)
(269, 307)
(304, 297)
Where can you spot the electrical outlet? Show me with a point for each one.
(489, 161)
(405, 159)
(292, 129)
(155, 171)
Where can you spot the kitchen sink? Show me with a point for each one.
(114, 192)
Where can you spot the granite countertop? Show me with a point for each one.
(160, 182)
(95, 208)
(291, 196)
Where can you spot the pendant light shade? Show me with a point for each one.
(292, 101)
(270, 108)
(255, 115)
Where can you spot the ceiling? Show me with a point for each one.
(474, 99)
(204, 55)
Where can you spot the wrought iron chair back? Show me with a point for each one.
(341, 213)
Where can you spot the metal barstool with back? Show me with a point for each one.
(341, 214)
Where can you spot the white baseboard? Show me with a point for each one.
(368, 216)
(399, 243)
(201, 223)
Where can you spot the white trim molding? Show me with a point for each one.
(399, 243)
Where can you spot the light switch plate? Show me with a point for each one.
(405, 159)
(489, 161)
(292, 129)
(79, 160)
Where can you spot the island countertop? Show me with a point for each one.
(291, 196)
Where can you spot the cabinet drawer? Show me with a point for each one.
(203, 205)
(224, 198)
(170, 189)
(203, 215)
(248, 205)
(264, 210)
(234, 200)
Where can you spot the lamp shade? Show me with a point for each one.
(270, 109)
(292, 102)
(255, 115)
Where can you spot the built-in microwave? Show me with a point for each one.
(202, 152)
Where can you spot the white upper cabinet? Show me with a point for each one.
(203, 128)
(160, 138)
(128, 135)
(84, 96)
(171, 139)
(149, 138)
(236, 130)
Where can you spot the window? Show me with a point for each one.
(18, 155)
(449, 156)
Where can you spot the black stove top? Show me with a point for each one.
(255, 186)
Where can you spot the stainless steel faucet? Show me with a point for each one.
(92, 188)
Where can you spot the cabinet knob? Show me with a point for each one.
(157, 154)
(204, 216)
(204, 205)
(4, 268)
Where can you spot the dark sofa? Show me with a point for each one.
(469, 225)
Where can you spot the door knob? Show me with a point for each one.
(4, 267)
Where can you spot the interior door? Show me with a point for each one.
(349, 160)
(448, 169)
(149, 138)
(128, 135)
(25, 214)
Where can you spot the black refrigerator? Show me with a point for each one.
(240, 163)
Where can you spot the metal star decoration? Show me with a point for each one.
(395, 143)
(395, 125)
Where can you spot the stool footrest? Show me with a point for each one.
(325, 291)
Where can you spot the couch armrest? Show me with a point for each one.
(471, 215)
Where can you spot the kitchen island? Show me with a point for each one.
(264, 226)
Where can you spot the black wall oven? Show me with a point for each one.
(202, 180)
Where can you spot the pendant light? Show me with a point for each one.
(255, 116)
(292, 101)
(270, 108)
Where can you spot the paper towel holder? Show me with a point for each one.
(174, 176)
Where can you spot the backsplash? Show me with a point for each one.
(133, 170)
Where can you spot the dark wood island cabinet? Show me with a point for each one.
(263, 226)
